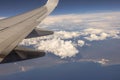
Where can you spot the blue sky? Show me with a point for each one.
(13, 7)
(95, 36)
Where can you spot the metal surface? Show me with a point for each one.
(15, 29)
(39, 32)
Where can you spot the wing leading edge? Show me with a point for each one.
(15, 29)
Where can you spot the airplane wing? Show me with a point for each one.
(14, 29)
(37, 32)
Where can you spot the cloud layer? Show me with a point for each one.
(93, 34)
(2, 17)
(76, 30)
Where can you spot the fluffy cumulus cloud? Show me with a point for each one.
(75, 30)
(81, 43)
(93, 34)
(59, 47)
(55, 44)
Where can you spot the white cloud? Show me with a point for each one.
(54, 45)
(2, 17)
(81, 43)
(58, 47)
(76, 28)
(100, 61)
(92, 34)
(66, 34)
(92, 31)
(103, 61)
(96, 20)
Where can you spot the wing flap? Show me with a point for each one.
(23, 53)
(39, 32)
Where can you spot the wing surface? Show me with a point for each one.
(15, 29)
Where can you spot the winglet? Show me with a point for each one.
(51, 4)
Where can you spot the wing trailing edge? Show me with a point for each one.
(39, 32)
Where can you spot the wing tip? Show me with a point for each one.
(51, 4)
